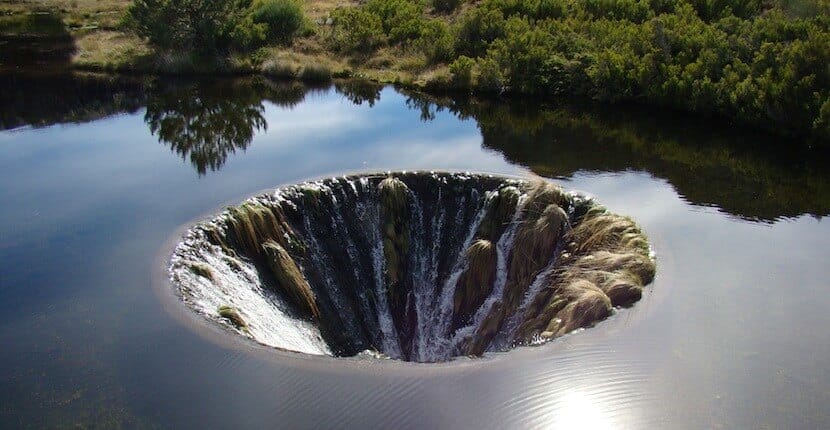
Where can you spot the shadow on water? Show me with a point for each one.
(743, 173)
(40, 100)
(34, 41)
(746, 174)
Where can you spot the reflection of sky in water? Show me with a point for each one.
(731, 334)
(334, 136)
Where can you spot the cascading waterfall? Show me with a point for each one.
(415, 266)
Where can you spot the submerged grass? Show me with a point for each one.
(607, 263)
(476, 283)
(202, 270)
(290, 278)
(498, 216)
(543, 223)
(542, 226)
(394, 203)
(232, 314)
(253, 223)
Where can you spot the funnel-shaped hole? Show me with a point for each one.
(414, 266)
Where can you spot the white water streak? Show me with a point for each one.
(235, 283)
(503, 249)
(435, 345)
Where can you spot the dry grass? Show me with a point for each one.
(320, 9)
(104, 46)
(608, 231)
(110, 50)
(586, 304)
(283, 63)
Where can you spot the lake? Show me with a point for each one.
(99, 174)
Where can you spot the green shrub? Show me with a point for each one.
(205, 26)
(489, 75)
(479, 28)
(755, 62)
(536, 9)
(283, 18)
(712, 10)
(402, 20)
(631, 10)
(356, 29)
(436, 41)
(462, 71)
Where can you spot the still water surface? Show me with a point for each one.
(98, 174)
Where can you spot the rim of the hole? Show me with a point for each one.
(212, 331)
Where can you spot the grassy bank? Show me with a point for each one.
(762, 64)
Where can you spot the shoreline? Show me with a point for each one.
(92, 36)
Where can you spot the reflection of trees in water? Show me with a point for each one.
(741, 172)
(202, 121)
(41, 100)
(206, 122)
(359, 91)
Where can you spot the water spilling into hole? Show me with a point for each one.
(413, 266)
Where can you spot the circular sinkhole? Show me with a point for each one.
(415, 266)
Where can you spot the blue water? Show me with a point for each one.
(731, 334)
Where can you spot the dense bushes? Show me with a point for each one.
(283, 18)
(211, 26)
(205, 25)
(761, 62)
(757, 62)
(356, 29)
